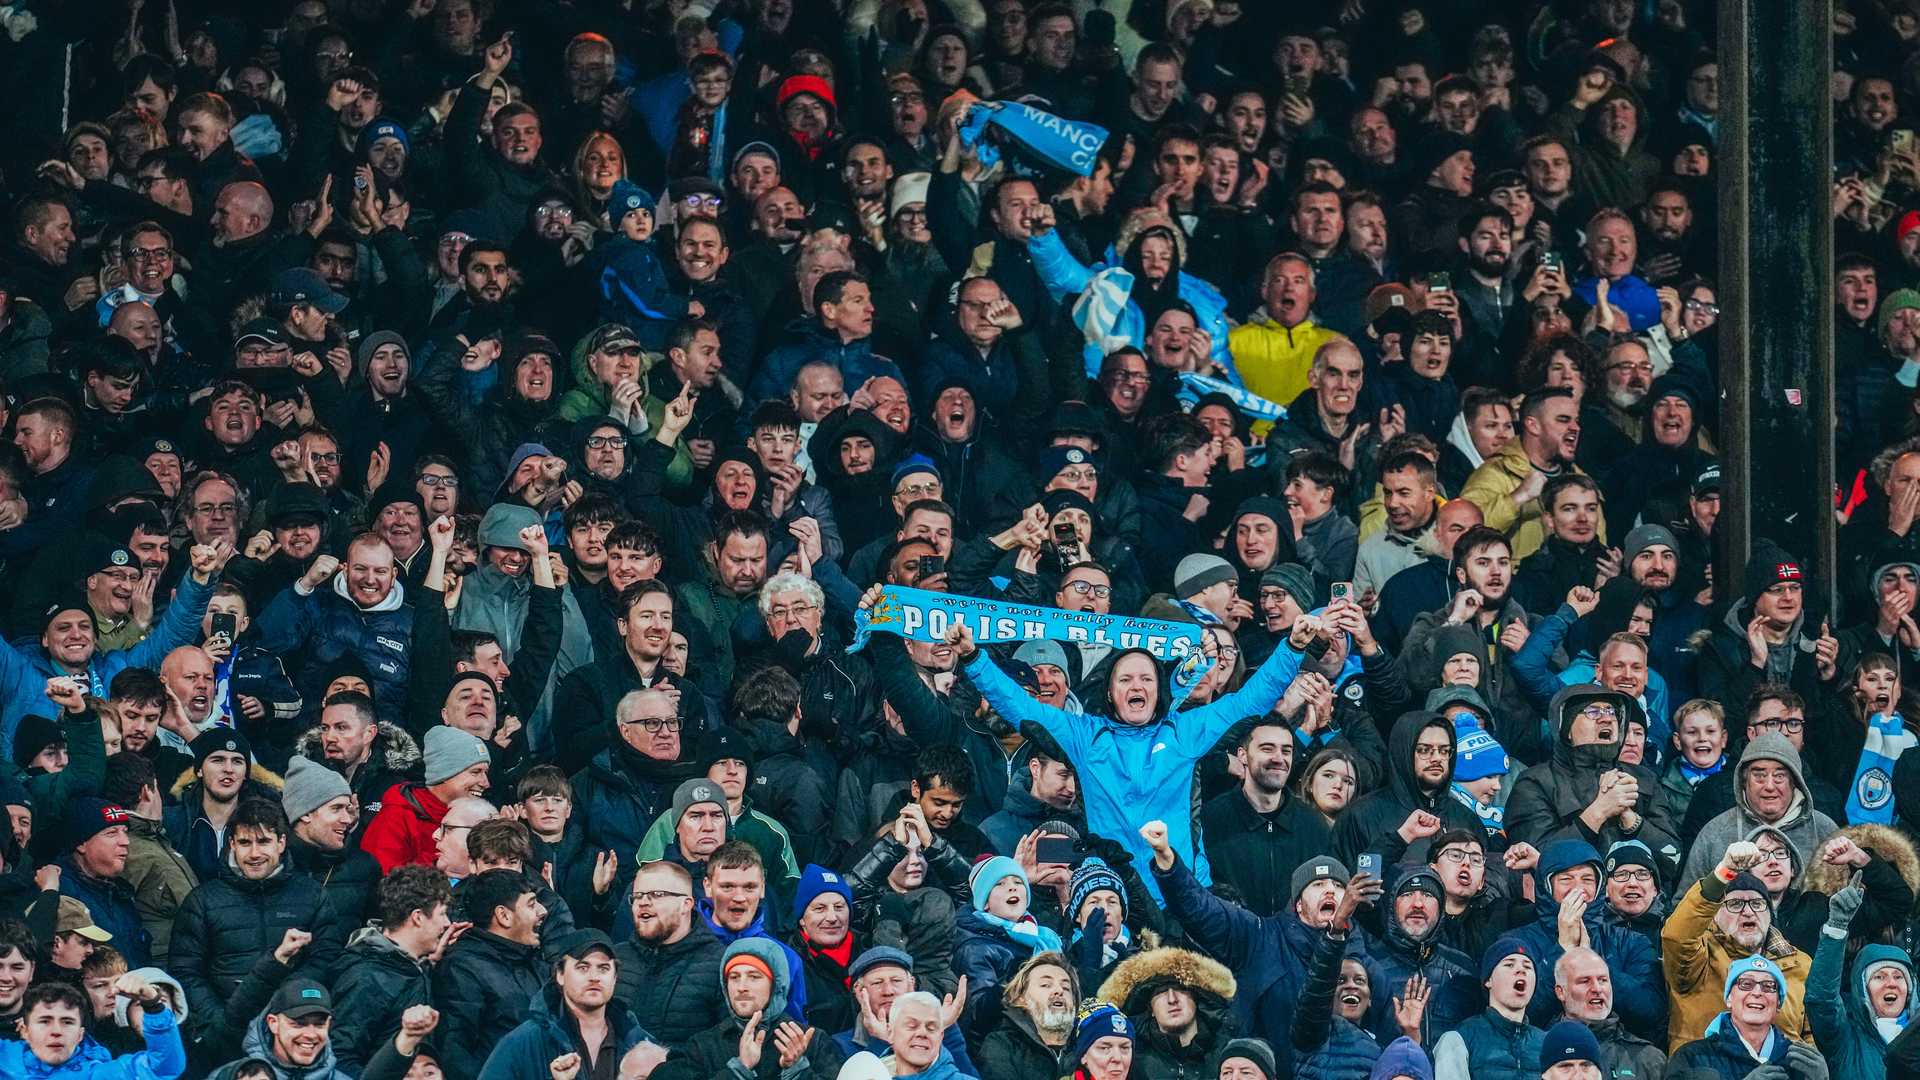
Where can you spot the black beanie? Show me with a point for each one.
(215, 740)
(35, 734)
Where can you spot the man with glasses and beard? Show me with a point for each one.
(669, 970)
(1722, 924)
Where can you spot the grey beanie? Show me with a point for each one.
(1644, 537)
(1254, 1050)
(1315, 869)
(449, 752)
(694, 792)
(1042, 651)
(1200, 570)
(310, 786)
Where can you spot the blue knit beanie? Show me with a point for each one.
(627, 197)
(1096, 1021)
(815, 880)
(990, 873)
(1092, 876)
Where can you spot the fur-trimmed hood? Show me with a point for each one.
(1883, 840)
(1146, 972)
(256, 774)
(397, 748)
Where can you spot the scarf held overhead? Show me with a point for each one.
(1067, 143)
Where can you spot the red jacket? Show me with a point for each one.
(403, 831)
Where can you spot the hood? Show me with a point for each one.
(1163, 701)
(156, 977)
(1559, 857)
(1403, 879)
(824, 448)
(1796, 859)
(1400, 771)
(1870, 957)
(259, 1044)
(1146, 973)
(769, 952)
(1440, 698)
(395, 598)
(576, 449)
(1619, 92)
(1773, 746)
(1460, 438)
(1886, 841)
(1268, 506)
(1403, 1057)
(1565, 710)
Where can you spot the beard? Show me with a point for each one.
(1749, 940)
(1054, 1023)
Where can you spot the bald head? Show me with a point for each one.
(1456, 517)
(188, 675)
(241, 210)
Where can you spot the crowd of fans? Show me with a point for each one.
(455, 448)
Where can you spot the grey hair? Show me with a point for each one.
(1565, 964)
(623, 712)
(918, 997)
(790, 582)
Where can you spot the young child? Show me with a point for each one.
(633, 285)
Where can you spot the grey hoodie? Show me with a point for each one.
(1803, 826)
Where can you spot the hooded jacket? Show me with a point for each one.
(1131, 774)
(1696, 956)
(1547, 801)
(1802, 824)
(483, 986)
(1014, 1050)
(1633, 961)
(1394, 955)
(1612, 177)
(1131, 989)
(377, 981)
(709, 1053)
(485, 432)
(1720, 1051)
(165, 1057)
(324, 624)
(1842, 1017)
(1385, 810)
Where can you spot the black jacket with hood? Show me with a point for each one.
(1376, 813)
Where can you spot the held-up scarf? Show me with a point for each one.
(1070, 144)
(1871, 797)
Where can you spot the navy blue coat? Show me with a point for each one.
(323, 626)
(547, 1033)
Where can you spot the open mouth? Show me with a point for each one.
(1136, 700)
(1350, 998)
(1329, 906)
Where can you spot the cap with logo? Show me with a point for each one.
(298, 999)
(300, 285)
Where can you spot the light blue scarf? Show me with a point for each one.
(1027, 931)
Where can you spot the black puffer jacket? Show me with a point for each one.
(348, 876)
(482, 988)
(1013, 1050)
(486, 433)
(673, 990)
(229, 922)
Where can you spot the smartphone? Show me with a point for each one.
(1059, 850)
(932, 564)
(224, 625)
(1901, 139)
(1553, 261)
(1342, 590)
(1368, 863)
(360, 182)
(1063, 533)
(797, 224)
(1439, 281)
(1299, 85)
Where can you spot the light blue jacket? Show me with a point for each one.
(25, 666)
(165, 1058)
(1110, 318)
(1540, 683)
(1132, 775)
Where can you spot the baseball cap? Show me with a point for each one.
(300, 285)
(300, 998)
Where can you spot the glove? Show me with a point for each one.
(1806, 1062)
(1769, 1072)
(1844, 906)
(1086, 952)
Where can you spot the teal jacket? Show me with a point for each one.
(1133, 775)
(1842, 1021)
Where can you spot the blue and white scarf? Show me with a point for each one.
(1027, 931)
(1255, 406)
(1871, 797)
(1070, 144)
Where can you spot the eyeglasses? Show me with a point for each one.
(655, 724)
(1085, 587)
(1637, 877)
(1702, 305)
(1424, 751)
(1229, 652)
(798, 611)
(606, 442)
(921, 491)
(1639, 369)
(1752, 907)
(1599, 712)
(1077, 475)
(1132, 377)
(449, 830)
(159, 254)
(553, 211)
(1778, 854)
(436, 480)
(1748, 984)
(225, 509)
(143, 182)
(655, 896)
(1791, 725)
(324, 459)
(912, 215)
(702, 202)
(455, 239)
(122, 575)
(1457, 856)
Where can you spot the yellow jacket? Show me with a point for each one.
(1273, 361)
(1697, 955)
(1490, 488)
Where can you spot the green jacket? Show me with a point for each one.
(767, 836)
(161, 880)
(716, 609)
(589, 397)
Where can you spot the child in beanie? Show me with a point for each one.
(633, 284)
(1480, 767)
